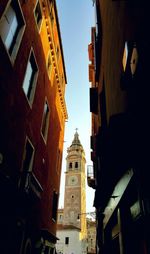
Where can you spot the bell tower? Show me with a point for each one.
(75, 197)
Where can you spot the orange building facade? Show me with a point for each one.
(33, 114)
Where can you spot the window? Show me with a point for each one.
(70, 165)
(134, 59)
(66, 240)
(38, 15)
(94, 100)
(55, 205)
(76, 164)
(12, 27)
(125, 56)
(30, 78)
(49, 64)
(28, 156)
(45, 121)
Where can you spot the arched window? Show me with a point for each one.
(76, 164)
(70, 165)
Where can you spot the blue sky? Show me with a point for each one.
(76, 19)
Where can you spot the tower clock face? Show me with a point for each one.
(72, 180)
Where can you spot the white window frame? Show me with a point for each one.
(34, 76)
(12, 49)
(40, 21)
(45, 134)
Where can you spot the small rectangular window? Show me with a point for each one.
(45, 121)
(12, 26)
(38, 15)
(76, 164)
(70, 164)
(9, 27)
(28, 156)
(55, 205)
(30, 78)
(66, 240)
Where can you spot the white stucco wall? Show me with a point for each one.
(74, 246)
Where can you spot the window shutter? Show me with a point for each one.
(94, 100)
(5, 26)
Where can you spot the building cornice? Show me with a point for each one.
(46, 12)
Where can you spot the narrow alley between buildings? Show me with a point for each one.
(66, 65)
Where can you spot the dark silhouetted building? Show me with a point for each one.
(119, 101)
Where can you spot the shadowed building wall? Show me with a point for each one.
(118, 72)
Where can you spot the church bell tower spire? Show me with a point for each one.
(75, 196)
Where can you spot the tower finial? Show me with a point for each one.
(76, 129)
